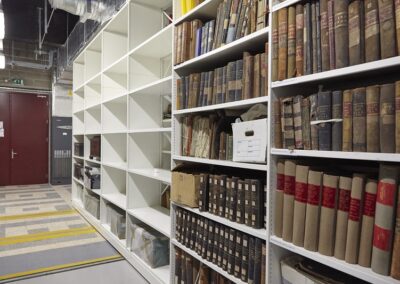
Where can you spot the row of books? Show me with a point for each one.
(350, 216)
(241, 79)
(235, 19)
(364, 119)
(238, 200)
(324, 35)
(239, 254)
(187, 5)
(189, 270)
(207, 137)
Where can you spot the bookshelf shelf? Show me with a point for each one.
(156, 217)
(231, 105)
(258, 167)
(380, 157)
(158, 88)
(209, 264)
(370, 68)
(116, 199)
(358, 271)
(151, 130)
(92, 161)
(156, 44)
(78, 181)
(224, 53)
(259, 233)
(154, 173)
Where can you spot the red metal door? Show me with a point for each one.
(29, 139)
(5, 139)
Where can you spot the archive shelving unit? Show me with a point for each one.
(122, 85)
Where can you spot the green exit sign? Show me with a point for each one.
(17, 82)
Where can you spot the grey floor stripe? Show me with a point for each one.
(36, 231)
(30, 199)
(38, 222)
(39, 190)
(30, 209)
(32, 261)
(32, 203)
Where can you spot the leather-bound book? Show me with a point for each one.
(372, 100)
(319, 52)
(233, 199)
(313, 210)
(324, 35)
(263, 263)
(231, 251)
(342, 217)
(178, 266)
(245, 258)
(314, 36)
(337, 126)
(210, 244)
(395, 268)
(308, 52)
(341, 33)
(277, 124)
(283, 43)
(347, 136)
(258, 271)
(247, 202)
(204, 274)
(228, 197)
(275, 47)
(397, 103)
(264, 65)
(288, 200)
(324, 112)
(297, 120)
(299, 40)
(189, 270)
(203, 193)
(384, 218)
(355, 215)
(278, 214)
(367, 225)
(221, 241)
(287, 123)
(397, 15)
(291, 61)
(327, 223)
(359, 120)
(238, 254)
(205, 239)
(256, 78)
(305, 126)
(387, 118)
(222, 196)
(387, 28)
(225, 255)
(240, 202)
(257, 210)
(313, 117)
(231, 81)
(248, 73)
(331, 35)
(252, 254)
(356, 32)
(300, 203)
(372, 43)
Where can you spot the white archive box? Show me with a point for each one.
(250, 141)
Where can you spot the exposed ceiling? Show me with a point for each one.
(21, 22)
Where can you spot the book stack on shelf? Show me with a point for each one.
(187, 5)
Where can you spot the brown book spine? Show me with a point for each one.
(278, 214)
(291, 60)
(314, 37)
(372, 46)
(256, 89)
(324, 35)
(387, 28)
(248, 73)
(359, 120)
(347, 121)
(305, 118)
(395, 269)
(313, 210)
(372, 118)
(397, 122)
(275, 47)
(300, 203)
(341, 33)
(397, 15)
(387, 119)
(297, 120)
(331, 35)
(355, 214)
(367, 226)
(277, 124)
(299, 40)
(342, 217)
(313, 117)
(288, 123)
(384, 218)
(283, 43)
(356, 32)
(328, 215)
(288, 200)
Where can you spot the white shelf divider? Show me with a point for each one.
(156, 217)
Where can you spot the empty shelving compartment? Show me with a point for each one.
(93, 120)
(114, 186)
(93, 58)
(79, 71)
(115, 115)
(115, 80)
(78, 126)
(79, 100)
(114, 150)
(93, 92)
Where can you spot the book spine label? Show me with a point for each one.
(288, 200)
(341, 33)
(347, 121)
(387, 28)
(291, 61)
(359, 120)
(372, 45)
(372, 100)
(397, 122)
(283, 43)
(299, 40)
(278, 214)
(367, 226)
(324, 35)
(387, 118)
(297, 119)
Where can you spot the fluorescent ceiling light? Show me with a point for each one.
(2, 61)
(2, 25)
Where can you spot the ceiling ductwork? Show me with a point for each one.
(86, 9)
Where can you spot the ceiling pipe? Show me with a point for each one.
(86, 9)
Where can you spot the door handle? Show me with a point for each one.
(13, 153)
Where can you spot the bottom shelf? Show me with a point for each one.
(156, 217)
(159, 275)
(209, 264)
(355, 270)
